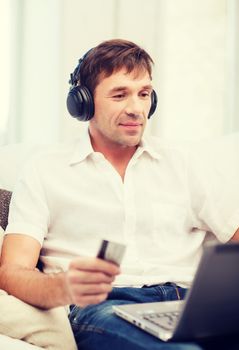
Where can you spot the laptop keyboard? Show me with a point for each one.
(166, 320)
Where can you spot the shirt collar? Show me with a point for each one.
(83, 148)
(147, 146)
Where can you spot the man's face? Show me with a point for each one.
(122, 103)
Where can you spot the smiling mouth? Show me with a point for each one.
(130, 125)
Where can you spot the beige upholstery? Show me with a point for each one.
(7, 343)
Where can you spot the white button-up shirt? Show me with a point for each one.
(71, 197)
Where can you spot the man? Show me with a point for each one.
(116, 185)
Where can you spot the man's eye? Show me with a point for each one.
(119, 96)
(145, 94)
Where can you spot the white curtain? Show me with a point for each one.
(34, 76)
(231, 120)
(194, 45)
(4, 66)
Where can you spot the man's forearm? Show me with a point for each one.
(34, 287)
(235, 237)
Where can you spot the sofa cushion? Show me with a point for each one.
(5, 197)
(15, 344)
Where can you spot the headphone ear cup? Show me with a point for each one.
(80, 103)
(154, 101)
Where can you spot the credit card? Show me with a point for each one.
(111, 251)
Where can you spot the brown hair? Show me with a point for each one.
(111, 56)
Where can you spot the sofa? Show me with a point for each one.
(12, 158)
(7, 343)
(219, 157)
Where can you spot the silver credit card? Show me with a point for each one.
(111, 251)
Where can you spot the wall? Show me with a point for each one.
(194, 45)
(188, 41)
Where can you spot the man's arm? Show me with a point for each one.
(235, 237)
(87, 281)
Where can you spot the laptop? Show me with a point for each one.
(211, 306)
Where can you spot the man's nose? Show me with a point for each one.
(134, 107)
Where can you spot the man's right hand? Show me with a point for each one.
(89, 280)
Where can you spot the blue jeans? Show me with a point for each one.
(97, 327)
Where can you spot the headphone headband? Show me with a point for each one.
(75, 76)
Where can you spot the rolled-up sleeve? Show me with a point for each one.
(214, 186)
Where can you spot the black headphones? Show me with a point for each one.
(80, 102)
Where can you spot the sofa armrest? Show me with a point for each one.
(15, 344)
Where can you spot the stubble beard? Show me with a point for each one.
(128, 140)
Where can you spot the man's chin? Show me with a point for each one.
(130, 141)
